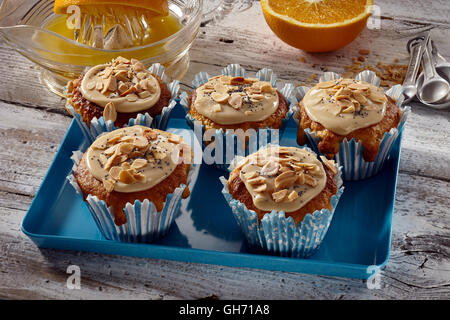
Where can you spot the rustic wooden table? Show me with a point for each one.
(33, 122)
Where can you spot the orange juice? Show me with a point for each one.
(158, 28)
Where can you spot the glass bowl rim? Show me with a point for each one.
(196, 15)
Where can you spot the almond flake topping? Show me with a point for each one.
(121, 79)
(347, 96)
(127, 158)
(109, 112)
(282, 175)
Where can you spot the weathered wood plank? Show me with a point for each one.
(419, 266)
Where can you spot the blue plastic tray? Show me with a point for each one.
(357, 242)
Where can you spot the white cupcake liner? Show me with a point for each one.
(99, 126)
(279, 235)
(263, 136)
(144, 224)
(350, 155)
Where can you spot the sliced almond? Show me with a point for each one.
(359, 96)
(138, 66)
(358, 86)
(139, 163)
(90, 85)
(250, 175)
(253, 90)
(237, 80)
(326, 84)
(349, 109)
(356, 104)
(125, 166)
(121, 59)
(110, 84)
(256, 181)
(266, 88)
(173, 138)
(121, 66)
(280, 195)
(377, 96)
(115, 172)
(235, 100)
(108, 184)
(217, 108)
(270, 169)
(330, 164)
(121, 75)
(107, 73)
(115, 138)
(140, 142)
(100, 144)
(109, 112)
(284, 169)
(144, 94)
(310, 181)
(110, 150)
(136, 154)
(131, 97)
(292, 196)
(261, 188)
(122, 87)
(220, 97)
(139, 177)
(70, 86)
(141, 75)
(126, 177)
(126, 148)
(150, 135)
(130, 90)
(99, 86)
(159, 155)
(114, 159)
(286, 179)
(303, 166)
(300, 178)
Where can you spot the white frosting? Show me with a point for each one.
(226, 101)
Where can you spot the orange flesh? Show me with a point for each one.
(319, 11)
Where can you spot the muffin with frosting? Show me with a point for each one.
(353, 121)
(229, 102)
(118, 91)
(284, 193)
(134, 174)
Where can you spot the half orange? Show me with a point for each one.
(317, 25)
(159, 7)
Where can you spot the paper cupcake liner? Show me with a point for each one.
(99, 126)
(279, 235)
(220, 149)
(145, 223)
(350, 155)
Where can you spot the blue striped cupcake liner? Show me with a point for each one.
(350, 155)
(279, 235)
(99, 126)
(226, 144)
(144, 224)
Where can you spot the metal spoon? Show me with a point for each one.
(434, 88)
(415, 48)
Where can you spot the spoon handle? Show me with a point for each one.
(427, 63)
(413, 66)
